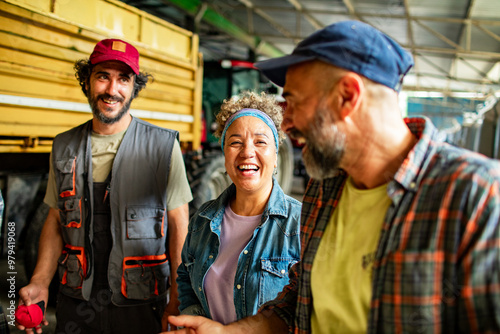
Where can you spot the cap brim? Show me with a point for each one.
(275, 69)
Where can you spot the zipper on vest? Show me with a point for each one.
(134, 263)
(88, 247)
(143, 263)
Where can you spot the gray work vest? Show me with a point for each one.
(138, 269)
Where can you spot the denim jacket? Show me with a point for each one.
(262, 269)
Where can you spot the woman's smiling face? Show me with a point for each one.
(250, 154)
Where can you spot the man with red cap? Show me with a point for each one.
(118, 197)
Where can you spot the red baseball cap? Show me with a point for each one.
(116, 49)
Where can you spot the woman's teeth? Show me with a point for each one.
(248, 167)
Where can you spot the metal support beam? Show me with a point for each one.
(465, 33)
(446, 76)
(249, 4)
(488, 32)
(477, 136)
(350, 8)
(439, 35)
(220, 22)
(496, 143)
(381, 15)
(250, 21)
(301, 11)
(409, 31)
(469, 54)
(475, 69)
(199, 16)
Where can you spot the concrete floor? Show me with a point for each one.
(21, 279)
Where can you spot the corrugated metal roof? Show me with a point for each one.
(455, 43)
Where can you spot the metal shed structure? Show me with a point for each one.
(455, 43)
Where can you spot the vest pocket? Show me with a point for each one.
(66, 168)
(72, 266)
(273, 277)
(144, 222)
(71, 216)
(145, 276)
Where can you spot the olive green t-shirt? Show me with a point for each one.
(104, 148)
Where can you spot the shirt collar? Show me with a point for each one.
(275, 206)
(415, 163)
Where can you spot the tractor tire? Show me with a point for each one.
(31, 249)
(285, 166)
(207, 177)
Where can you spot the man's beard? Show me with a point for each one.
(103, 118)
(325, 146)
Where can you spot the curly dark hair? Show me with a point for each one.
(263, 102)
(83, 70)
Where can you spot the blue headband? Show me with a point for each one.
(250, 112)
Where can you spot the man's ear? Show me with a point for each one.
(350, 90)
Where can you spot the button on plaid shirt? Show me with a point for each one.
(437, 268)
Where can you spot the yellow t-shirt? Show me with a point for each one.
(341, 275)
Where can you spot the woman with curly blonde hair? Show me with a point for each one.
(241, 245)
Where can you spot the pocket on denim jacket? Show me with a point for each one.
(273, 277)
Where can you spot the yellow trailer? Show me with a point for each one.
(40, 97)
(39, 43)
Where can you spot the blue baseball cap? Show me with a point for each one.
(351, 45)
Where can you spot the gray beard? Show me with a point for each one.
(325, 147)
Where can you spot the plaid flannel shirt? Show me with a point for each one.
(437, 266)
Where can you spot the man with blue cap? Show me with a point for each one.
(400, 231)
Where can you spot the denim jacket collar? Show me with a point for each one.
(276, 206)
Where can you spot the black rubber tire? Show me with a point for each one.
(31, 249)
(285, 166)
(207, 178)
